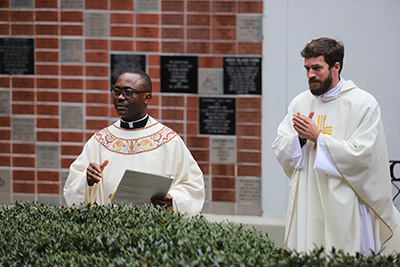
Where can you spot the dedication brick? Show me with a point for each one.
(71, 4)
(249, 190)
(179, 74)
(72, 117)
(217, 116)
(147, 5)
(23, 129)
(48, 156)
(71, 50)
(5, 181)
(97, 24)
(21, 3)
(17, 56)
(210, 82)
(242, 75)
(223, 150)
(249, 28)
(5, 107)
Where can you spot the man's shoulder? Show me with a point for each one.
(354, 93)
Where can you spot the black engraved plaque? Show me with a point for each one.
(179, 74)
(121, 63)
(242, 75)
(217, 116)
(17, 56)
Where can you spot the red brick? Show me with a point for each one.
(250, 7)
(66, 162)
(96, 44)
(21, 29)
(5, 135)
(46, 29)
(198, 20)
(155, 100)
(224, 48)
(71, 16)
(224, 20)
(198, 33)
(26, 188)
(153, 112)
(223, 183)
(48, 188)
(96, 4)
(23, 109)
(46, 16)
(71, 150)
(249, 170)
(223, 195)
(174, 6)
(249, 103)
(147, 32)
(71, 70)
(117, 18)
(198, 6)
(172, 114)
(5, 82)
(18, 95)
(173, 101)
(71, 136)
(224, 34)
(21, 82)
(248, 144)
(172, 19)
(4, 15)
(4, 29)
(72, 97)
(97, 57)
(121, 31)
(47, 136)
(154, 73)
(20, 16)
(48, 176)
(224, 6)
(22, 175)
(47, 43)
(47, 83)
(97, 71)
(198, 142)
(5, 121)
(147, 46)
(98, 98)
(47, 123)
(176, 126)
(4, 147)
(192, 114)
(72, 30)
(201, 155)
(250, 48)
(198, 47)
(43, 96)
(97, 111)
(21, 148)
(96, 124)
(210, 62)
(204, 168)
(121, 5)
(5, 160)
(4, 3)
(172, 47)
(47, 109)
(147, 19)
(248, 130)
(249, 116)
(46, 56)
(46, 4)
(97, 84)
(72, 84)
(121, 45)
(249, 157)
(46, 70)
(156, 86)
(23, 161)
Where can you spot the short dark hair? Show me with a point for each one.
(144, 77)
(332, 50)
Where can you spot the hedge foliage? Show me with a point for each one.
(125, 235)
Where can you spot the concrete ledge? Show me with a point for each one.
(273, 226)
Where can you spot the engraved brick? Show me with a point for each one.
(96, 124)
(117, 18)
(4, 147)
(172, 47)
(172, 33)
(46, 83)
(96, 44)
(72, 97)
(198, 142)
(96, 4)
(154, 73)
(72, 30)
(46, 56)
(48, 43)
(96, 111)
(249, 130)
(47, 123)
(71, 150)
(18, 95)
(121, 31)
(249, 103)
(4, 3)
(46, 70)
(46, 4)
(98, 98)
(66, 162)
(48, 188)
(47, 110)
(47, 136)
(97, 84)
(171, 5)
(204, 168)
(172, 114)
(72, 84)
(248, 144)
(201, 155)
(223, 195)
(147, 46)
(192, 101)
(210, 62)
(198, 20)
(71, 70)
(20, 16)
(147, 19)
(224, 6)
(97, 71)
(71, 136)
(23, 109)
(249, 116)
(5, 82)
(5, 160)
(5, 121)
(26, 188)
(5, 135)
(71, 16)
(224, 33)
(4, 15)
(250, 7)
(198, 6)
(46, 29)
(48, 176)
(22, 175)
(198, 47)
(224, 20)
(121, 45)
(23, 161)
(46, 16)
(223, 183)
(172, 19)
(44, 96)
(147, 32)
(192, 114)
(97, 57)
(224, 48)
(250, 48)
(173, 101)
(249, 170)
(122, 5)
(249, 157)
(198, 33)
(21, 29)
(223, 169)
(4, 29)
(23, 148)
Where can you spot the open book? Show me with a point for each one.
(139, 187)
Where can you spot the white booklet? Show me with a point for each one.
(139, 187)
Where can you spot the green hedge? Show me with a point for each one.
(125, 235)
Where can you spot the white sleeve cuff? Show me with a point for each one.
(297, 152)
(323, 161)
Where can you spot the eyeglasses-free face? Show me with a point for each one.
(127, 93)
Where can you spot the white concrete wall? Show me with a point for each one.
(370, 31)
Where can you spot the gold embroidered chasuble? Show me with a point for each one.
(154, 149)
(323, 209)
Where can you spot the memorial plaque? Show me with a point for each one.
(242, 75)
(217, 116)
(23, 129)
(179, 74)
(71, 50)
(71, 4)
(249, 190)
(210, 82)
(21, 3)
(223, 150)
(147, 5)
(48, 156)
(72, 117)
(17, 56)
(5, 181)
(249, 28)
(121, 63)
(5, 107)
(97, 24)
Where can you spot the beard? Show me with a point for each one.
(322, 86)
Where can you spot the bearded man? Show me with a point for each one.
(332, 146)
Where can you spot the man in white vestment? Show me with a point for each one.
(332, 146)
(136, 142)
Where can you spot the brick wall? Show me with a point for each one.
(37, 141)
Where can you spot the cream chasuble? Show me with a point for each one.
(155, 149)
(323, 209)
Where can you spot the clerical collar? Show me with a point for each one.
(333, 93)
(134, 124)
